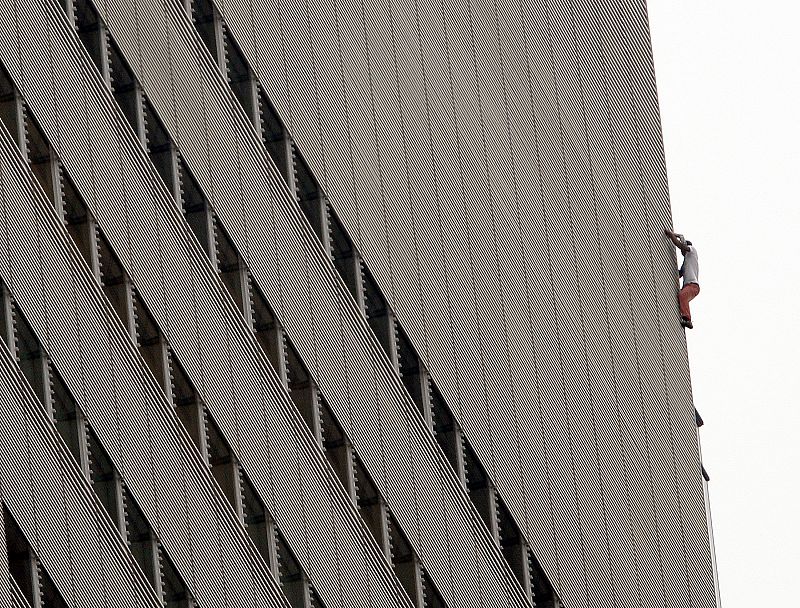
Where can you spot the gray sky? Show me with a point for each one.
(729, 88)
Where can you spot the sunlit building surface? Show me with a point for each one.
(333, 303)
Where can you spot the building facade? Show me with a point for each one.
(341, 303)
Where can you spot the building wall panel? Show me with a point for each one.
(7, 589)
(164, 228)
(293, 230)
(124, 420)
(57, 510)
(427, 185)
(580, 191)
(616, 347)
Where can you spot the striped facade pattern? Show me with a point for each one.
(320, 303)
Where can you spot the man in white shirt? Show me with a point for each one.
(690, 273)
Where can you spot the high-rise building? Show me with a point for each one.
(331, 303)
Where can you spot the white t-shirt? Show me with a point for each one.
(689, 270)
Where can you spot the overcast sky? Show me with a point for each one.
(729, 90)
